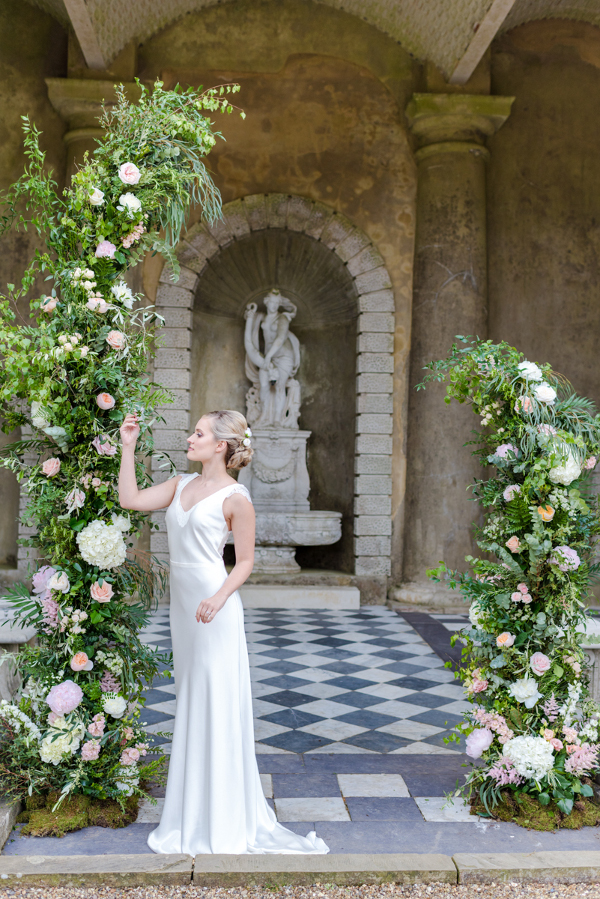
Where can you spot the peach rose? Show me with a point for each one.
(129, 173)
(102, 592)
(80, 662)
(523, 403)
(548, 734)
(116, 339)
(106, 401)
(48, 304)
(513, 544)
(546, 513)
(556, 744)
(504, 640)
(51, 467)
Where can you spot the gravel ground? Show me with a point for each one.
(319, 891)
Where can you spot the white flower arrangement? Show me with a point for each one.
(102, 545)
(532, 756)
(122, 522)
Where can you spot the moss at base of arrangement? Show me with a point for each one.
(525, 810)
(74, 814)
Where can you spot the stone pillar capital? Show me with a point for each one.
(79, 102)
(454, 123)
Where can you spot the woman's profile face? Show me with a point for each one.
(202, 443)
(272, 302)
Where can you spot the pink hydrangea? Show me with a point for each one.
(64, 698)
(96, 728)
(90, 750)
(478, 741)
(40, 580)
(105, 249)
(129, 756)
(510, 492)
(582, 759)
(504, 449)
(565, 558)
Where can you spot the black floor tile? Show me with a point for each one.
(365, 718)
(296, 741)
(426, 699)
(377, 741)
(358, 700)
(282, 666)
(286, 786)
(438, 719)
(288, 698)
(292, 718)
(350, 683)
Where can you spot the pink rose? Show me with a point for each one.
(129, 756)
(523, 588)
(97, 305)
(41, 578)
(105, 401)
(80, 662)
(504, 449)
(548, 734)
(505, 640)
(49, 304)
(517, 596)
(90, 750)
(513, 544)
(527, 598)
(590, 463)
(102, 592)
(556, 744)
(96, 728)
(106, 250)
(51, 467)
(539, 663)
(75, 499)
(116, 339)
(478, 741)
(477, 685)
(510, 492)
(64, 698)
(129, 173)
(105, 448)
(96, 482)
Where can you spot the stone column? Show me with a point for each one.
(450, 298)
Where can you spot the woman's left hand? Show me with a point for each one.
(208, 608)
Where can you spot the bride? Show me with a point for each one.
(214, 800)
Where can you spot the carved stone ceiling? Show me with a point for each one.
(453, 34)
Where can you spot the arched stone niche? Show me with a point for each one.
(337, 277)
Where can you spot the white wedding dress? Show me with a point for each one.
(214, 800)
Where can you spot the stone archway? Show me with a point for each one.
(374, 352)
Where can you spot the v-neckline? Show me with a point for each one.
(187, 511)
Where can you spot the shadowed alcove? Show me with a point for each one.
(318, 283)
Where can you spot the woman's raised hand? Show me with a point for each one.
(130, 429)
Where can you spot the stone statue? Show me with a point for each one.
(273, 401)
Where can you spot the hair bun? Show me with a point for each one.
(232, 427)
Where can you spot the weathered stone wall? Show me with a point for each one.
(32, 47)
(544, 199)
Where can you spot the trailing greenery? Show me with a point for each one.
(71, 378)
(533, 722)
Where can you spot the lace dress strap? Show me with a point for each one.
(185, 478)
(239, 488)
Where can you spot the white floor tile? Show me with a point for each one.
(373, 785)
(265, 749)
(386, 691)
(160, 726)
(261, 708)
(327, 808)
(342, 749)
(314, 674)
(264, 729)
(326, 709)
(439, 809)
(452, 691)
(457, 708)
(167, 707)
(398, 709)
(167, 688)
(267, 785)
(332, 729)
(320, 691)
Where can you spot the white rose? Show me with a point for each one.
(531, 756)
(530, 370)
(38, 419)
(121, 521)
(123, 294)
(526, 691)
(96, 197)
(114, 705)
(129, 203)
(59, 582)
(544, 393)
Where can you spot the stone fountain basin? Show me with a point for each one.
(306, 528)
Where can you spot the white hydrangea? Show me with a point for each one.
(526, 691)
(128, 778)
(53, 749)
(102, 545)
(19, 719)
(531, 756)
(114, 705)
(568, 469)
(123, 294)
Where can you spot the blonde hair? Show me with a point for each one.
(231, 426)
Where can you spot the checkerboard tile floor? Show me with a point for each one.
(334, 682)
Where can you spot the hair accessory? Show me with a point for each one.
(247, 435)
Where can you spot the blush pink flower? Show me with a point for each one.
(96, 728)
(510, 492)
(75, 499)
(129, 756)
(523, 588)
(90, 750)
(127, 733)
(49, 304)
(566, 558)
(539, 663)
(116, 339)
(142, 747)
(105, 401)
(556, 744)
(129, 173)
(478, 741)
(513, 544)
(505, 640)
(97, 304)
(105, 250)
(96, 482)
(517, 596)
(53, 718)
(81, 662)
(504, 449)
(40, 580)
(527, 598)
(546, 430)
(102, 592)
(50, 614)
(103, 448)
(590, 463)
(523, 404)
(570, 734)
(64, 698)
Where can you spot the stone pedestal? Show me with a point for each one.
(450, 298)
(278, 481)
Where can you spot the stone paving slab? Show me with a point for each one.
(100, 870)
(283, 870)
(540, 867)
